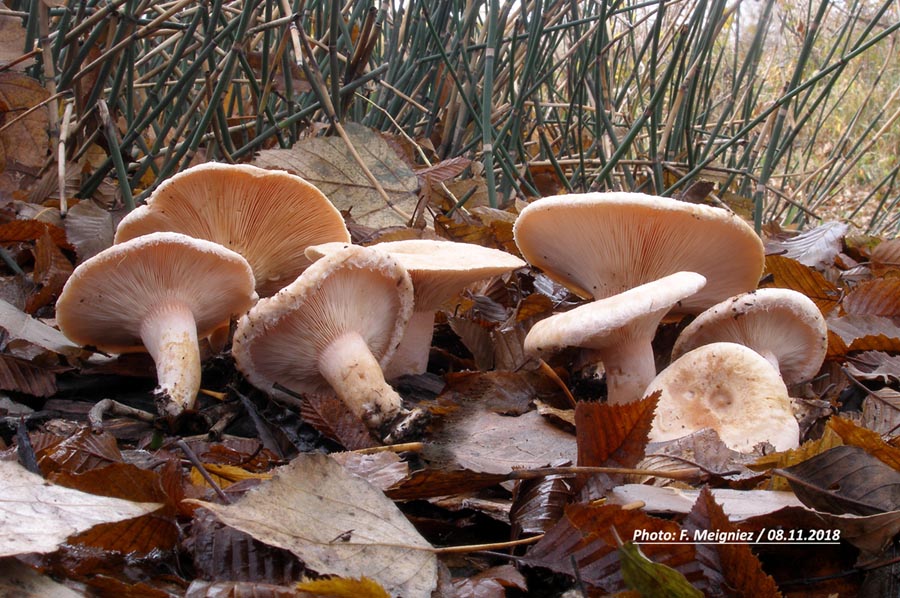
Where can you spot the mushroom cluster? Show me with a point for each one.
(639, 257)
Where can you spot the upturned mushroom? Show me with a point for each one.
(782, 325)
(159, 293)
(439, 270)
(334, 327)
(600, 244)
(619, 329)
(727, 387)
(268, 216)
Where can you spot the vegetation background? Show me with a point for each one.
(784, 110)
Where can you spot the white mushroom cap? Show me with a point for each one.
(160, 292)
(268, 216)
(620, 329)
(335, 326)
(782, 325)
(729, 388)
(439, 270)
(600, 244)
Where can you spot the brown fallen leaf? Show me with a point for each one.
(613, 435)
(51, 270)
(337, 524)
(866, 333)
(584, 538)
(24, 143)
(791, 274)
(21, 581)
(868, 440)
(845, 479)
(80, 452)
(327, 163)
(731, 568)
(881, 412)
(815, 248)
(876, 366)
(428, 483)
(330, 416)
(880, 297)
(886, 257)
(37, 516)
(23, 376)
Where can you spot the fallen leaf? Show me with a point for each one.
(23, 144)
(613, 435)
(80, 452)
(51, 270)
(538, 504)
(881, 411)
(337, 524)
(876, 366)
(845, 479)
(867, 333)
(37, 516)
(18, 580)
(791, 274)
(487, 442)
(382, 470)
(815, 248)
(327, 163)
(427, 483)
(870, 441)
(330, 416)
(22, 376)
(736, 504)
(732, 567)
(89, 228)
(886, 257)
(491, 583)
(241, 589)
(653, 579)
(12, 40)
(337, 587)
(32, 230)
(22, 327)
(583, 538)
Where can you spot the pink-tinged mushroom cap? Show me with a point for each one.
(782, 325)
(619, 329)
(600, 244)
(268, 216)
(729, 388)
(158, 292)
(439, 270)
(334, 326)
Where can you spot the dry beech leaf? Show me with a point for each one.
(382, 470)
(222, 553)
(51, 270)
(241, 589)
(791, 274)
(224, 475)
(845, 479)
(866, 333)
(22, 376)
(327, 163)
(12, 40)
(728, 567)
(36, 516)
(886, 257)
(22, 327)
(443, 170)
(89, 228)
(585, 535)
(32, 230)
(80, 452)
(881, 411)
(613, 435)
(648, 578)
(337, 524)
(330, 416)
(487, 442)
(736, 504)
(805, 451)
(18, 580)
(815, 248)
(880, 297)
(428, 483)
(870, 441)
(491, 583)
(538, 504)
(23, 145)
(338, 587)
(876, 366)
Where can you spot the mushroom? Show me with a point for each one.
(439, 270)
(159, 293)
(268, 216)
(619, 329)
(600, 244)
(335, 326)
(727, 387)
(782, 325)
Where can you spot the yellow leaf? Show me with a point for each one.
(224, 475)
(339, 587)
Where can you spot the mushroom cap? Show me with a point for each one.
(439, 269)
(108, 296)
(268, 216)
(779, 322)
(606, 323)
(354, 290)
(600, 244)
(729, 388)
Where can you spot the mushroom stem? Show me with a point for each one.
(169, 334)
(412, 352)
(349, 367)
(630, 368)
